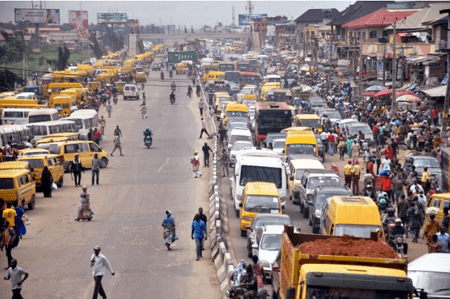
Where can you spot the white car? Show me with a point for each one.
(278, 146)
(130, 91)
(237, 146)
(266, 246)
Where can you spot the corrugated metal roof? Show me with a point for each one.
(416, 20)
(382, 17)
(357, 10)
(317, 15)
(436, 92)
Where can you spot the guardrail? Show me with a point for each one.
(218, 213)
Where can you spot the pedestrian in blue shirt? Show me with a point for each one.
(198, 233)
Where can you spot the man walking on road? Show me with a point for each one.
(99, 262)
(117, 145)
(77, 168)
(198, 233)
(348, 174)
(95, 168)
(15, 274)
(117, 131)
(206, 149)
(200, 106)
(204, 219)
(224, 161)
(203, 129)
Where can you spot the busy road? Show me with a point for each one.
(130, 202)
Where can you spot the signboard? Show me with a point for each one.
(133, 23)
(120, 18)
(37, 16)
(244, 19)
(176, 57)
(78, 20)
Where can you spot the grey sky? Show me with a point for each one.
(189, 13)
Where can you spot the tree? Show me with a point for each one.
(98, 52)
(14, 48)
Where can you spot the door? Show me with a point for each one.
(85, 155)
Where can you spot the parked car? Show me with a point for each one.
(420, 161)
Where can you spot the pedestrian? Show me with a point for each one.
(90, 135)
(385, 165)
(206, 149)
(109, 109)
(443, 239)
(15, 275)
(355, 149)
(201, 104)
(204, 219)
(331, 141)
(95, 168)
(222, 135)
(118, 131)
(389, 152)
(430, 230)
(348, 174)
(224, 162)
(99, 262)
(445, 219)
(198, 233)
(356, 174)
(258, 271)
(97, 136)
(169, 229)
(386, 185)
(414, 221)
(402, 209)
(10, 214)
(195, 161)
(397, 184)
(434, 246)
(426, 179)
(203, 129)
(143, 109)
(77, 168)
(46, 182)
(117, 145)
(378, 158)
(21, 230)
(342, 149)
(368, 178)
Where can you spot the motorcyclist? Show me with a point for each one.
(148, 133)
(389, 218)
(398, 230)
(198, 90)
(370, 192)
(173, 86)
(114, 90)
(382, 204)
(170, 73)
(162, 75)
(251, 284)
(172, 95)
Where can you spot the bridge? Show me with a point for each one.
(134, 38)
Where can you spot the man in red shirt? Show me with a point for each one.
(435, 116)
(389, 152)
(386, 183)
(330, 143)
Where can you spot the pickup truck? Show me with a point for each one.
(307, 276)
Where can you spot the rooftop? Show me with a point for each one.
(380, 18)
(317, 15)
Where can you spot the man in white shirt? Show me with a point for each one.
(99, 262)
(15, 274)
(386, 164)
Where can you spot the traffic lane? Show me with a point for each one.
(129, 205)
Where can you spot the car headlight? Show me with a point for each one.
(265, 264)
(318, 213)
(247, 218)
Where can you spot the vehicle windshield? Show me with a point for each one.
(223, 99)
(430, 163)
(323, 196)
(302, 149)
(34, 163)
(312, 123)
(248, 102)
(330, 114)
(6, 183)
(236, 114)
(240, 145)
(272, 221)
(235, 138)
(271, 242)
(250, 173)
(434, 283)
(364, 129)
(278, 144)
(359, 231)
(262, 204)
(348, 293)
(332, 181)
(39, 118)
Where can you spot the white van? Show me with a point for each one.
(239, 134)
(260, 165)
(27, 95)
(39, 115)
(17, 116)
(130, 91)
(84, 119)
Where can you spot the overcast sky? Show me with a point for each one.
(189, 13)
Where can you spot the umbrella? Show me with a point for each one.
(408, 98)
(369, 94)
(405, 92)
(375, 88)
(384, 92)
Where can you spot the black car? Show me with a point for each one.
(320, 195)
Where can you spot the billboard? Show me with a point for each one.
(133, 23)
(37, 16)
(244, 20)
(78, 20)
(176, 57)
(120, 18)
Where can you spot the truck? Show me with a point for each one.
(307, 276)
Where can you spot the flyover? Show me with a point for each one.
(134, 38)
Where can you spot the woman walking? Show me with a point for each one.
(46, 182)
(169, 229)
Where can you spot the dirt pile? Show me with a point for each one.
(348, 246)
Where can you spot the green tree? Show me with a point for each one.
(14, 48)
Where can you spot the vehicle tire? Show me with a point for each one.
(60, 182)
(32, 203)
(237, 213)
(243, 233)
(103, 163)
(315, 230)
(305, 213)
(148, 145)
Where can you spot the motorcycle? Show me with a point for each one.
(172, 100)
(162, 75)
(148, 141)
(397, 243)
(115, 99)
(189, 93)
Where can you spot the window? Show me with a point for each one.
(6, 183)
(385, 33)
(84, 147)
(25, 179)
(94, 147)
(373, 34)
(72, 148)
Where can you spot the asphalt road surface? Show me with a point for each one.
(129, 204)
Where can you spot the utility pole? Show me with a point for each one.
(394, 71)
(403, 66)
(360, 64)
(354, 55)
(232, 17)
(384, 65)
(331, 52)
(447, 94)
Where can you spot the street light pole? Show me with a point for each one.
(394, 71)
